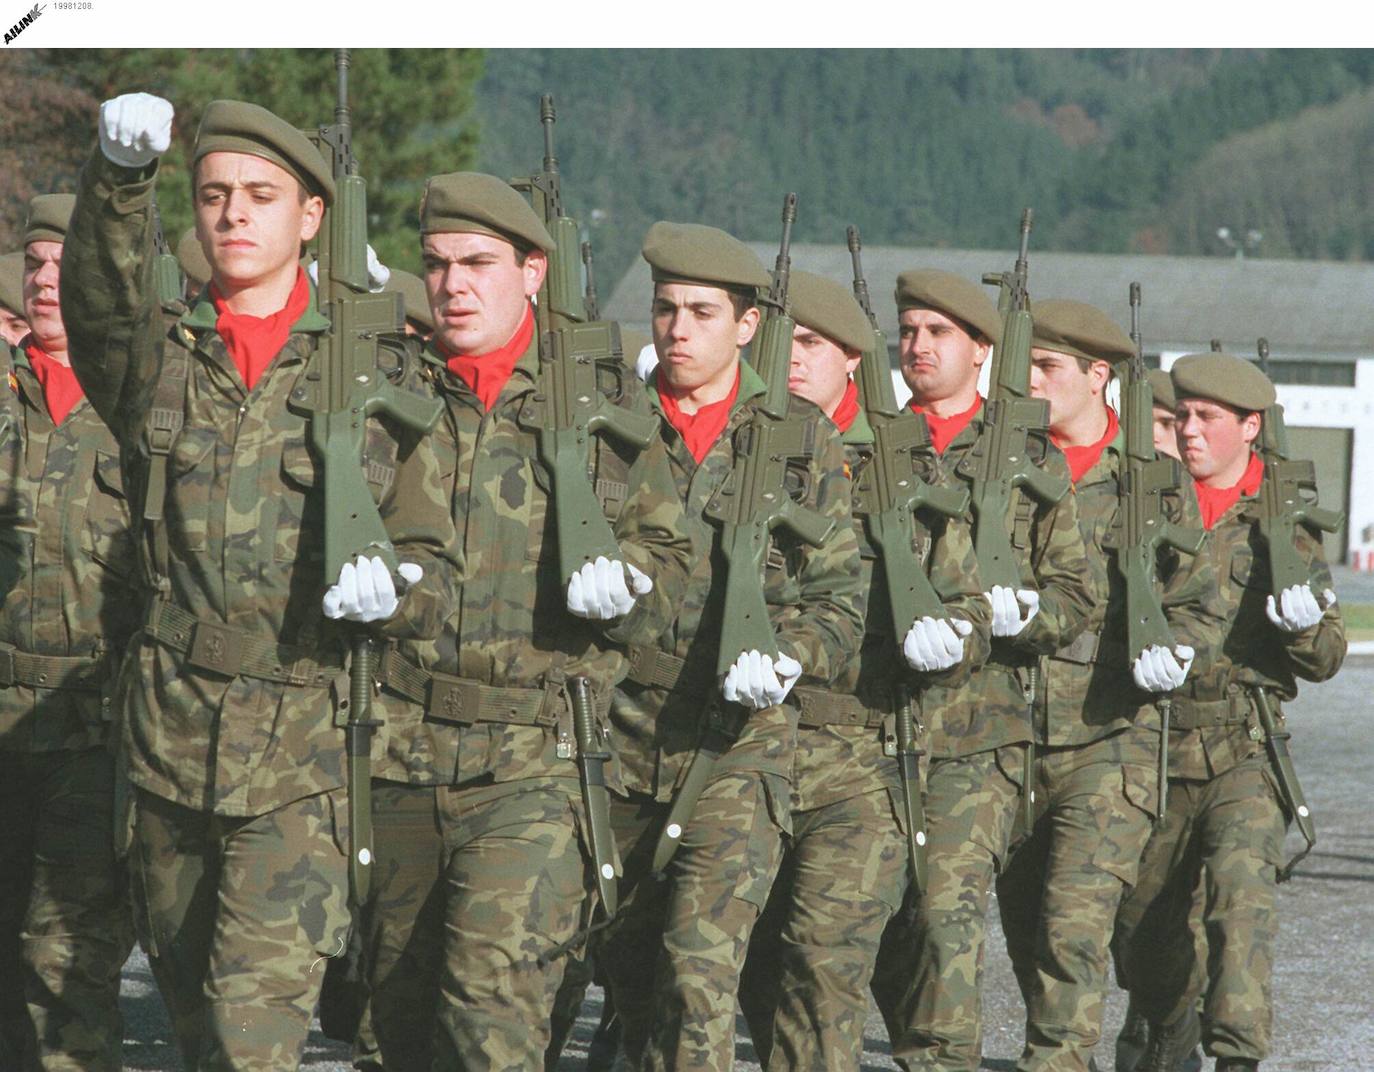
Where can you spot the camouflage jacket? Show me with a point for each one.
(815, 596)
(509, 626)
(836, 761)
(67, 581)
(1252, 651)
(990, 709)
(243, 510)
(1087, 692)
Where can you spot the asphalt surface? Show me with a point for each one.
(1324, 979)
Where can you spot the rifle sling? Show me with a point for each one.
(232, 652)
(51, 671)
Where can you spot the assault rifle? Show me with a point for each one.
(888, 493)
(1001, 459)
(752, 502)
(343, 386)
(575, 407)
(1144, 527)
(576, 350)
(1288, 498)
(754, 499)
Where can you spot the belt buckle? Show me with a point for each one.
(454, 700)
(641, 660)
(218, 648)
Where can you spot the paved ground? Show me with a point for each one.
(1326, 943)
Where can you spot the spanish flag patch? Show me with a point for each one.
(14, 382)
(848, 472)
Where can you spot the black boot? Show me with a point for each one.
(1132, 1040)
(1170, 1045)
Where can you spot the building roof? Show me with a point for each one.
(1309, 310)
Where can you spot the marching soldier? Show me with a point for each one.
(68, 606)
(486, 862)
(230, 697)
(929, 974)
(845, 869)
(1095, 773)
(696, 918)
(1228, 807)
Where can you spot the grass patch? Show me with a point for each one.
(1359, 620)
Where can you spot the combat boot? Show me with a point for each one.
(1170, 1045)
(1236, 1064)
(1131, 1042)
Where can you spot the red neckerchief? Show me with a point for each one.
(701, 429)
(253, 341)
(486, 374)
(1216, 501)
(945, 430)
(61, 391)
(848, 409)
(1081, 459)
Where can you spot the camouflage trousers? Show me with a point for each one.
(805, 986)
(1058, 894)
(717, 884)
(65, 923)
(237, 916)
(929, 975)
(456, 942)
(1226, 833)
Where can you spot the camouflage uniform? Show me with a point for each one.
(700, 917)
(1225, 822)
(512, 878)
(67, 608)
(1095, 783)
(229, 701)
(929, 973)
(805, 988)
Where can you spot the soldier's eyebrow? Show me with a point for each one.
(251, 187)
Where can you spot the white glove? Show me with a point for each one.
(1157, 669)
(1006, 609)
(646, 362)
(1297, 609)
(931, 644)
(366, 592)
(378, 274)
(758, 682)
(598, 589)
(135, 129)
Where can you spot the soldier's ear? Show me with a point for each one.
(536, 266)
(746, 325)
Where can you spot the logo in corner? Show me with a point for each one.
(23, 24)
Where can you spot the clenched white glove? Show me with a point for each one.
(135, 129)
(758, 682)
(378, 274)
(1297, 608)
(1006, 609)
(646, 362)
(365, 592)
(598, 589)
(1157, 669)
(935, 644)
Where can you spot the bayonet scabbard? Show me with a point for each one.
(593, 754)
(1276, 737)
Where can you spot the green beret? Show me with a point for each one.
(830, 309)
(49, 215)
(240, 127)
(412, 288)
(693, 253)
(468, 202)
(12, 282)
(191, 257)
(1080, 330)
(952, 295)
(1162, 387)
(1223, 378)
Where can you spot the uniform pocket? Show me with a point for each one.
(769, 821)
(297, 506)
(189, 479)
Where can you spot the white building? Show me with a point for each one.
(1317, 315)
